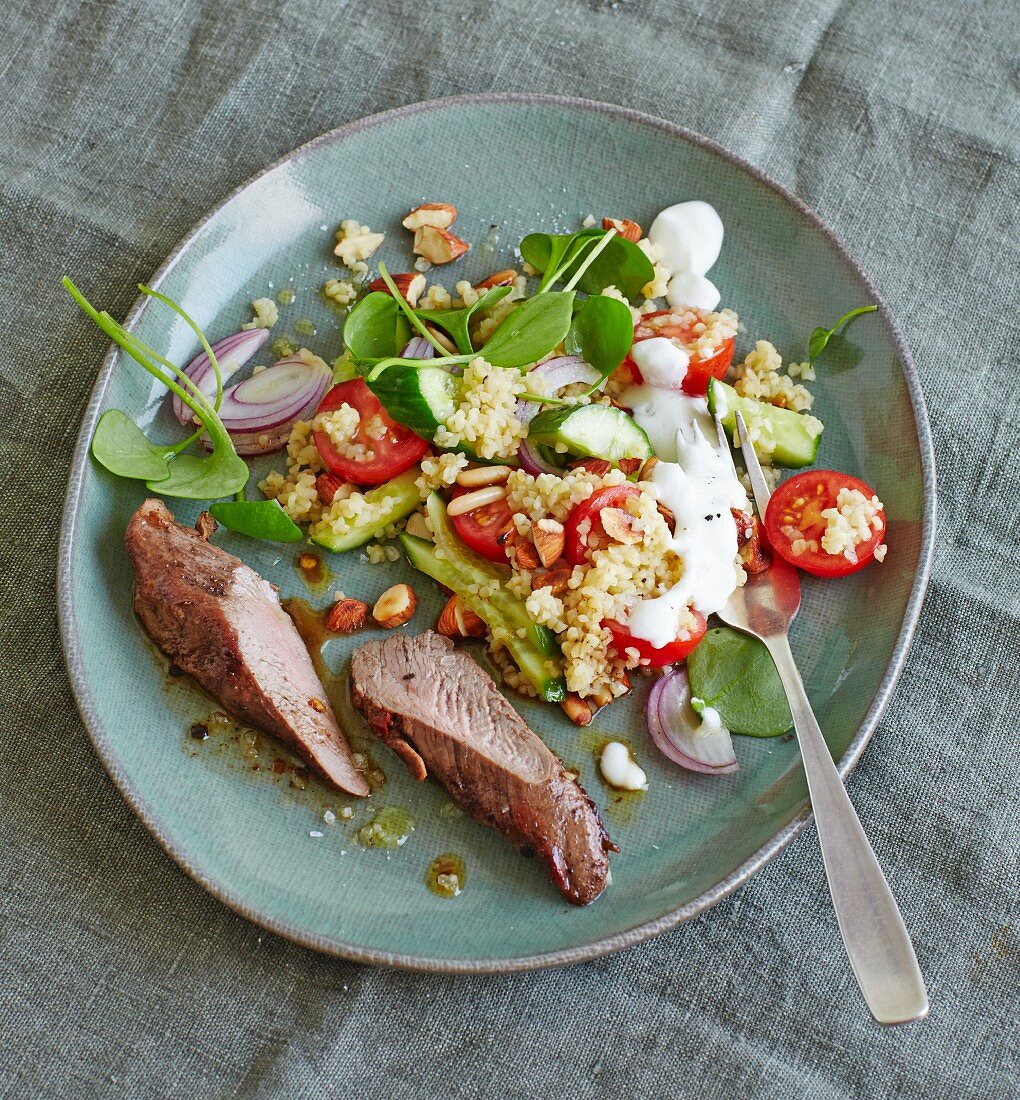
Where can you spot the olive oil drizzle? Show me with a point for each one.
(446, 875)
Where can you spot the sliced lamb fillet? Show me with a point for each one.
(441, 713)
(221, 622)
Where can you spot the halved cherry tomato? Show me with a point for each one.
(482, 528)
(664, 655)
(398, 449)
(699, 371)
(576, 544)
(795, 512)
(749, 542)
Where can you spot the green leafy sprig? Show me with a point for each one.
(601, 333)
(820, 337)
(122, 447)
(619, 263)
(456, 322)
(524, 336)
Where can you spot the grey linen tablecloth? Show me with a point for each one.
(122, 124)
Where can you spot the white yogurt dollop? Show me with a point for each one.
(620, 770)
(661, 362)
(695, 480)
(689, 289)
(689, 237)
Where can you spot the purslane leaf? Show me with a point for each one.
(735, 674)
(121, 446)
(260, 519)
(820, 337)
(222, 473)
(376, 328)
(531, 331)
(601, 332)
(840, 354)
(204, 477)
(457, 322)
(621, 264)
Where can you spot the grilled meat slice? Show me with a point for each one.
(442, 714)
(221, 622)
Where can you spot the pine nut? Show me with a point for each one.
(480, 497)
(483, 475)
(577, 710)
(604, 696)
(443, 339)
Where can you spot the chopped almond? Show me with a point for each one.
(418, 525)
(347, 616)
(395, 606)
(597, 466)
(647, 468)
(327, 485)
(630, 231)
(521, 551)
(409, 285)
(500, 278)
(629, 465)
(668, 516)
(557, 580)
(447, 624)
(439, 215)
(471, 626)
(438, 246)
(205, 525)
(618, 524)
(549, 540)
(457, 621)
(357, 248)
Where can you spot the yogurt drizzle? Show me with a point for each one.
(695, 480)
(694, 477)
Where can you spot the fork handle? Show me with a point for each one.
(873, 931)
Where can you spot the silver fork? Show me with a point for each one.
(873, 931)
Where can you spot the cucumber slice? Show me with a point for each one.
(789, 438)
(460, 569)
(398, 498)
(421, 398)
(591, 431)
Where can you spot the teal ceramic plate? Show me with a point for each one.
(251, 835)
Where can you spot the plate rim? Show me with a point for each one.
(637, 933)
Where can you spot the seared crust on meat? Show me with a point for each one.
(442, 714)
(223, 624)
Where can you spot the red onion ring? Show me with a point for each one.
(533, 463)
(677, 737)
(232, 352)
(562, 371)
(260, 411)
(418, 348)
(260, 443)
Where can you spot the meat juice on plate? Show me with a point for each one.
(312, 569)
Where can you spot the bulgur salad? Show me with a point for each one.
(551, 445)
